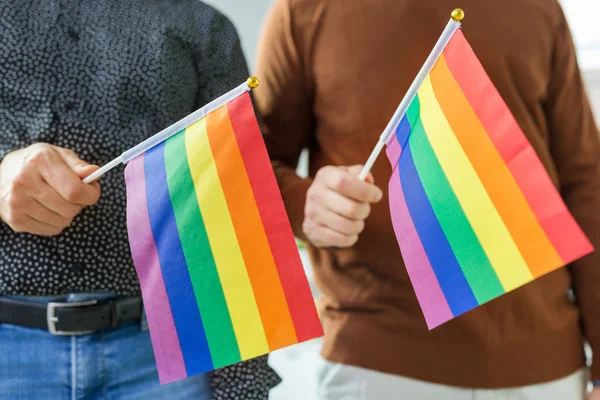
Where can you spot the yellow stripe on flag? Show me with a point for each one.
(476, 203)
(224, 244)
(525, 229)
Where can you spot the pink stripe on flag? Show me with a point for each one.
(165, 342)
(393, 151)
(429, 293)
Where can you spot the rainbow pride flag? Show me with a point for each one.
(474, 211)
(217, 261)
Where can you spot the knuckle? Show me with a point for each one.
(13, 200)
(95, 197)
(327, 238)
(353, 209)
(314, 234)
(72, 193)
(367, 210)
(306, 225)
(15, 221)
(339, 182)
(69, 152)
(352, 240)
(359, 226)
(319, 174)
(367, 194)
(323, 173)
(308, 228)
(319, 237)
(348, 241)
(375, 195)
(311, 213)
(21, 180)
(312, 194)
(38, 157)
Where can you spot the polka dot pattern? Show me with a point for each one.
(249, 380)
(98, 77)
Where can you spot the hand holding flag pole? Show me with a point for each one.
(454, 23)
(251, 83)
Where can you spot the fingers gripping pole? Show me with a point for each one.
(98, 173)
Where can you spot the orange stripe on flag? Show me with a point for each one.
(529, 236)
(268, 292)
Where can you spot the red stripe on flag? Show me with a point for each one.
(275, 220)
(531, 176)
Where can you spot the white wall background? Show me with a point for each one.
(247, 15)
(583, 18)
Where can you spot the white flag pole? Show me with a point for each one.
(454, 23)
(251, 83)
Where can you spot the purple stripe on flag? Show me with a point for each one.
(165, 342)
(393, 151)
(430, 295)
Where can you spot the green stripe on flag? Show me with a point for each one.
(198, 255)
(458, 230)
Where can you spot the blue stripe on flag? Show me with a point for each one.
(180, 291)
(450, 276)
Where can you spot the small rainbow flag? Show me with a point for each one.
(217, 261)
(474, 211)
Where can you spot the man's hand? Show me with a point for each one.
(41, 189)
(595, 395)
(337, 204)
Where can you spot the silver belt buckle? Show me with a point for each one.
(53, 319)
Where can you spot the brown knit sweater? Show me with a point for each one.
(332, 73)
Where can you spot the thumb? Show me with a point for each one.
(81, 168)
(356, 170)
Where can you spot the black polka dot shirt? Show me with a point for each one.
(98, 77)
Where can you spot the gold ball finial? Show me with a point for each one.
(253, 82)
(458, 14)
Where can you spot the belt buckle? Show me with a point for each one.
(53, 319)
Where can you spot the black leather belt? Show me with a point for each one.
(77, 318)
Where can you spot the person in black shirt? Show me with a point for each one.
(81, 82)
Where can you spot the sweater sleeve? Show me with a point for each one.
(575, 147)
(284, 100)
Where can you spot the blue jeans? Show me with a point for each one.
(111, 364)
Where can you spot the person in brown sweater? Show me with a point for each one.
(332, 73)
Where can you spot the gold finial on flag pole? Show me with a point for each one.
(253, 82)
(452, 26)
(458, 14)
